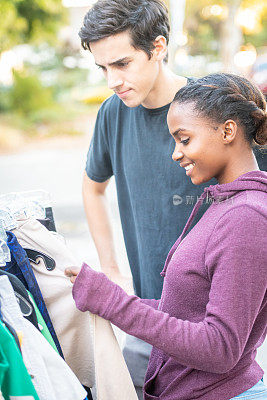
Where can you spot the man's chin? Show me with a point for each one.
(131, 103)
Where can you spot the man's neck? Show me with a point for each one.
(166, 86)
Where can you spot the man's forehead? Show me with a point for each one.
(112, 48)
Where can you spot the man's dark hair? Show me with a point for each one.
(222, 96)
(144, 19)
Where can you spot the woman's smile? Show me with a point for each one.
(188, 168)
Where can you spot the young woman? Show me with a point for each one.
(212, 315)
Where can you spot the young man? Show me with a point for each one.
(128, 39)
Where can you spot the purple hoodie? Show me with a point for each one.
(213, 310)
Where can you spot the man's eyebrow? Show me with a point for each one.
(177, 133)
(121, 60)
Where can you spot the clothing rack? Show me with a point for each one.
(25, 323)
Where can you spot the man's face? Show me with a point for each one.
(129, 72)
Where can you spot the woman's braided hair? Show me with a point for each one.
(226, 96)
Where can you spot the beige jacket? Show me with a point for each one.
(91, 350)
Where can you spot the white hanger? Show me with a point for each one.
(4, 253)
(24, 205)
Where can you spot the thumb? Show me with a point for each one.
(70, 271)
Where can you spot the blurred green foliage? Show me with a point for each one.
(24, 21)
(34, 106)
(28, 95)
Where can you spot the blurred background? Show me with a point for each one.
(49, 86)
(50, 91)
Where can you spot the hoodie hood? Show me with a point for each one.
(253, 180)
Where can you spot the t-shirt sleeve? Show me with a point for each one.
(261, 156)
(98, 164)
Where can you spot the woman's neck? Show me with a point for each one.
(238, 166)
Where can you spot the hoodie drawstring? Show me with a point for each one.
(194, 212)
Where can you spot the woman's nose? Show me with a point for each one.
(177, 154)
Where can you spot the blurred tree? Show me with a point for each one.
(25, 21)
(177, 16)
(221, 26)
(230, 36)
(27, 95)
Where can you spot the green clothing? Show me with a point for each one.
(45, 331)
(14, 378)
(3, 368)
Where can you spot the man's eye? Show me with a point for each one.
(122, 65)
(185, 141)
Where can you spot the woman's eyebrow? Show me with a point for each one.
(178, 131)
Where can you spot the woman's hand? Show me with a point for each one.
(72, 273)
(125, 282)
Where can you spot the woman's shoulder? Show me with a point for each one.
(233, 213)
(243, 221)
(241, 216)
(248, 202)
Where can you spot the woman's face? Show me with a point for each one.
(199, 145)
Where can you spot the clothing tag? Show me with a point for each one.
(20, 337)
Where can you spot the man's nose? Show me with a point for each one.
(114, 80)
(177, 154)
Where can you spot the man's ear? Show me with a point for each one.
(160, 48)
(229, 131)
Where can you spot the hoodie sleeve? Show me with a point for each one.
(151, 302)
(236, 257)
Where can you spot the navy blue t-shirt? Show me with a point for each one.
(155, 196)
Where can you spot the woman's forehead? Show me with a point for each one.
(184, 116)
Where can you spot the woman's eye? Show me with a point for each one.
(185, 141)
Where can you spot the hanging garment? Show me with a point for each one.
(14, 377)
(12, 332)
(3, 369)
(48, 221)
(65, 384)
(21, 267)
(25, 304)
(51, 376)
(42, 325)
(50, 216)
(113, 381)
(71, 325)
